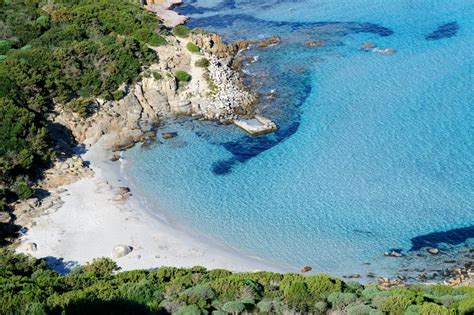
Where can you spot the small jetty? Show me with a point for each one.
(256, 126)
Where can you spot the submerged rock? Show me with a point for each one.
(393, 253)
(306, 269)
(432, 250)
(121, 250)
(271, 41)
(169, 135)
(315, 43)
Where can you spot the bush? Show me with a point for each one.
(466, 306)
(321, 307)
(393, 304)
(433, 309)
(199, 295)
(43, 21)
(321, 286)
(265, 306)
(142, 292)
(23, 190)
(188, 310)
(5, 46)
(181, 31)
(182, 76)
(234, 307)
(192, 47)
(118, 95)
(156, 75)
(101, 267)
(340, 300)
(359, 309)
(202, 63)
(297, 295)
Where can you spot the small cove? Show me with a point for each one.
(373, 151)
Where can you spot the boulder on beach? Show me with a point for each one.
(31, 247)
(121, 250)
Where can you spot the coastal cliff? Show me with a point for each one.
(213, 92)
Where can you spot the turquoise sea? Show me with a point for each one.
(373, 152)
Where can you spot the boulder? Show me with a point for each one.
(121, 250)
(31, 247)
(306, 269)
(432, 250)
(315, 43)
(271, 41)
(169, 135)
(393, 253)
(368, 46)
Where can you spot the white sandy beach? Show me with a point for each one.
(91, 223)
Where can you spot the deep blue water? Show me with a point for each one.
(373, 151)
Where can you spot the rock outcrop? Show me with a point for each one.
(214, 93)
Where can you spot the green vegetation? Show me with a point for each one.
(193, 47)
(27, 286)
(66, 53)
(181, 31)
(202, 63)
(182, 76)
(156, 75)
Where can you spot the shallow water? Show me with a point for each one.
(373, 151)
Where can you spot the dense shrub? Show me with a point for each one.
(181, 31)
(296, 295)
(192, 47)
(202, 63)
(340, 300)
(433, 309)
(323, 285)
(63, 52)
(5, 46)
(393, 304)
(182, 76)
(233, 307)
(27, 286)
(156, 75)
(101, 267)
(22, 190)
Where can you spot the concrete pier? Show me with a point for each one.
(256, 126)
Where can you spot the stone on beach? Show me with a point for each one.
(31, 247)
(121, 250)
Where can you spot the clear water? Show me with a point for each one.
(373, 152)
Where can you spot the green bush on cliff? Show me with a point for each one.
(182, 76)
(202, 63)
(181, 31)
(193, 47)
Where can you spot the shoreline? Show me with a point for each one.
(90, 223)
